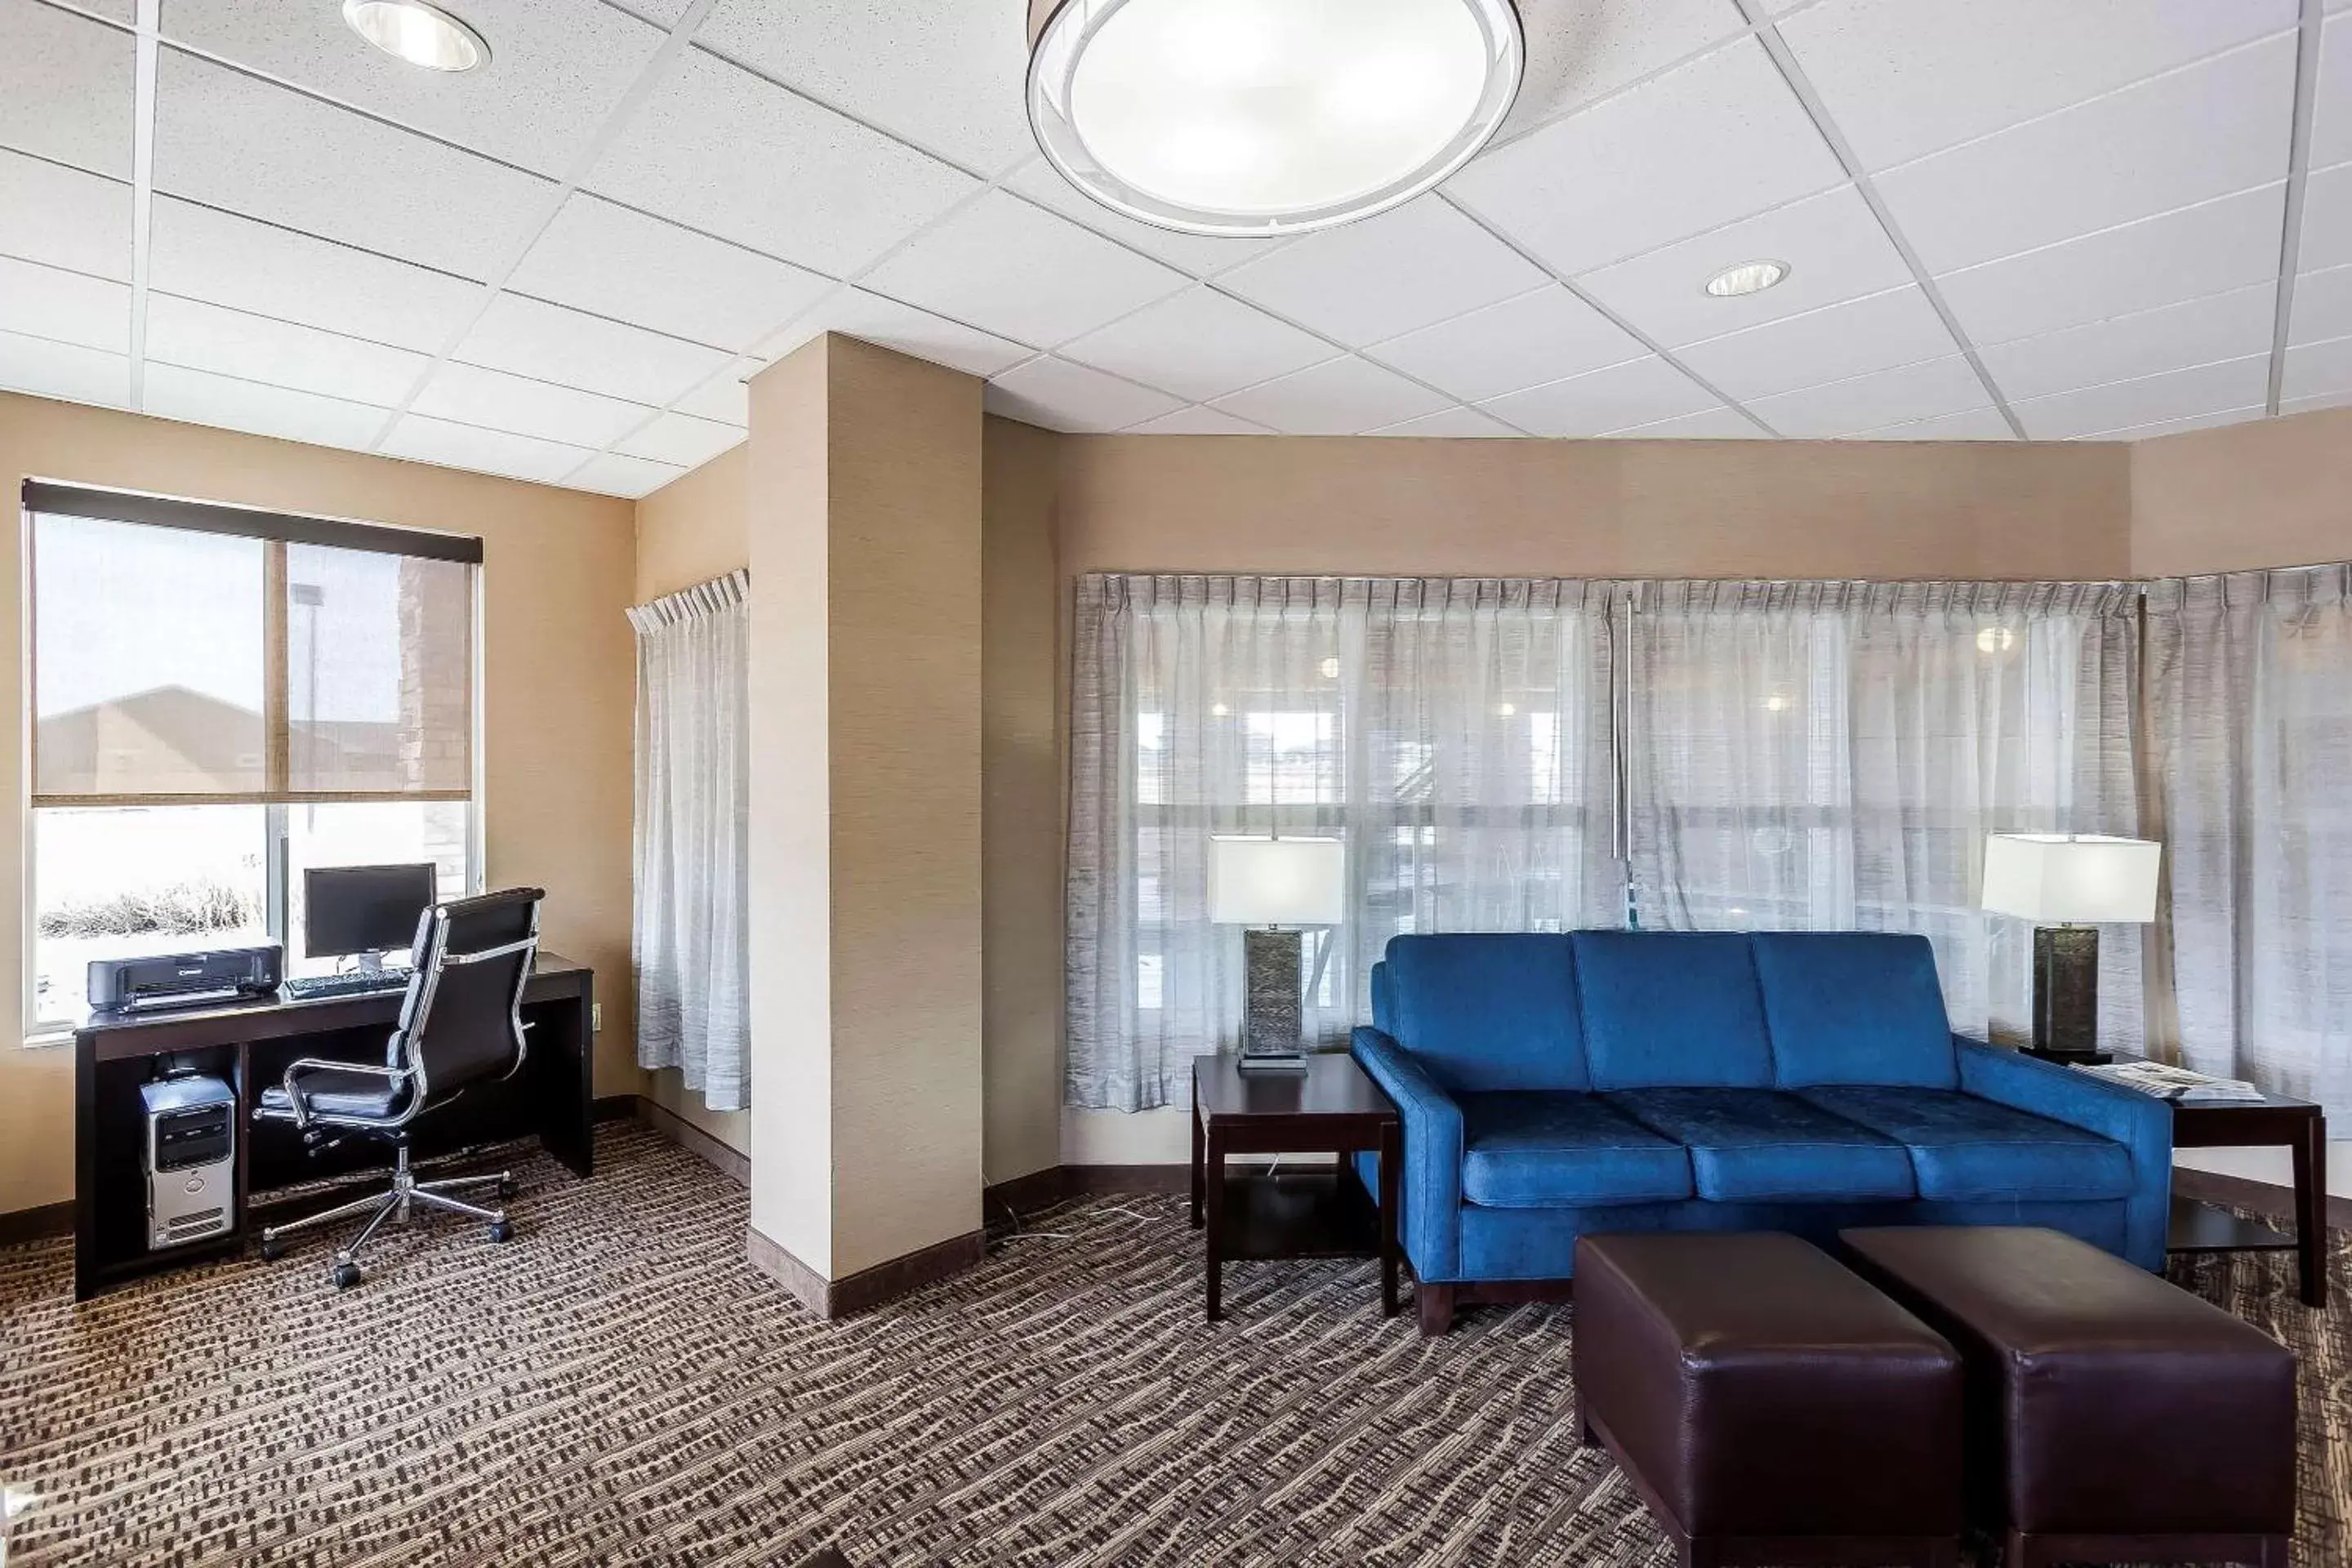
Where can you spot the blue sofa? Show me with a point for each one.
(1554, 1085)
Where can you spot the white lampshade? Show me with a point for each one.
(2059, 878)
(1276, 881)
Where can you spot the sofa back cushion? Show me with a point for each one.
(1484, 1012)
(1672, 1009)
(1854, 1008)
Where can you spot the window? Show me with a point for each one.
(220, 699)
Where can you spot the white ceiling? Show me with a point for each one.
(2052, 219)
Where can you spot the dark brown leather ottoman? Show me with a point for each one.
(2112, 1417)
(1769, 1405)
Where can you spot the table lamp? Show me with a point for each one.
(1272, 887)
(2069, 885)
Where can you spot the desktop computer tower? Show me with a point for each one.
(191, 1160)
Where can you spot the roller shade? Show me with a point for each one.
(187, 654)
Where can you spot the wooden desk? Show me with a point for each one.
(248, 1045)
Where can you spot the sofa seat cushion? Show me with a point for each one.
(1963, 1148)
(1761, 1144)
(1524, 1149)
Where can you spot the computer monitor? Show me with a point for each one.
(363, 910)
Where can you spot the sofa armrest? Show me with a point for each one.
(2140, 1123)
(1429, 1221)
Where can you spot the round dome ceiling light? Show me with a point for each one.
(1747, 278)
(1266, 117)
(416, 34)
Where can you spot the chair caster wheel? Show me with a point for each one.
(506, 1189)
(501, 1230)
(271, 1249)
(346, 1276)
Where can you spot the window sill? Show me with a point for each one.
(50, 1036)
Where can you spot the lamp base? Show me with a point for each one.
(1270, 1009)
(2066, 994)
(1274, 1062)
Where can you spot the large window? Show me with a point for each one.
(220, 699)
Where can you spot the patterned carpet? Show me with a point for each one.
(619, 1387)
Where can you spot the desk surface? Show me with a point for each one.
(115, 1036)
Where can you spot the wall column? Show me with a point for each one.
(865, 504)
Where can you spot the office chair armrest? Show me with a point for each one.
(320, 1064)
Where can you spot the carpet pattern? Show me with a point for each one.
(618, 1386)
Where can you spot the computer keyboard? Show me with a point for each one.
(311, 987)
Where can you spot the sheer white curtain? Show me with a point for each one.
(690, 943)
(1453, 732)
(1831, 757)
(2249, 720)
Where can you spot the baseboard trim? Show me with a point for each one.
(41, 1224)
(613, 1107)
(1087, 1180)
(724, 1158)
(1027, 1195)
(869, 1288)
(2266, 1198)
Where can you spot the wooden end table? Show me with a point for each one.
(1332, 1108)
(2269, 1122)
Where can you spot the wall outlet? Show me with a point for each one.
(595, 1017)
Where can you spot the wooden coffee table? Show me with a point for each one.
(1312, 1211)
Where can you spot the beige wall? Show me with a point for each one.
(557, 672)
(691, 529)
(2276, 492)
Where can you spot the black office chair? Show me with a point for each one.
(460, 1024)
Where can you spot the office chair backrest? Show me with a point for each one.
(462, 1020)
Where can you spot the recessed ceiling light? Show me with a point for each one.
(1261, 117)
(419, 34)
(1747, 278)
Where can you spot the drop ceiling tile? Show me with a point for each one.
(1902, 80)
(1198, 254)
(1450, 423)
(76, 374)
(1199, 344)
(853, 314)
(197, 336)
(725, 398)
(485, 451)
(1879, 332)
(2205, 250)
(2321, 368)
(66, 88)
(1911, 392)
(173, 392)
(717, 148)
(495, 401)
(1833, 245)
(1387, 275)
(947, 75)
(1011, 268)
(50, 302)
(2199, 133)
(1537, 337)
(614, 262)
(1579, 51)
(612, 474)
(1060, 395)
(2331, 100)
(2171, 337)
(2326, 239)
(201, 253)
(2322, 306)
(548, 342)
(64, 217)
(1971, 425)
(1196, 422)
(556, 68)
(1716, 424)
(682, 439)
(2179, 426)
(228, 141)
(1339, 397)
(123, 11)
(1643, 392)
(2152, 399)
(1690, 151)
